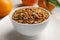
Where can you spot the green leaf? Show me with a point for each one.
(55, 2)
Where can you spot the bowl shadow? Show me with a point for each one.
(14, 35)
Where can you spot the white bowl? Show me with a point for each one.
(29, 29)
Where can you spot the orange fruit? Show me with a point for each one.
(45, 4)
(5, 7)
(28, 2)
(50, 6)
(42, 3)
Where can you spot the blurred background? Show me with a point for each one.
(6, 6)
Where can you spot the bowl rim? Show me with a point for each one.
(11, 13)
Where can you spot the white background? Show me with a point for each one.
(52, 31)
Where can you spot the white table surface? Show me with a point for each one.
(52, 31)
